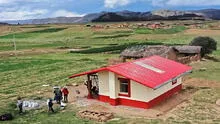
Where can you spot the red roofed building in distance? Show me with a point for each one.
(141, 83)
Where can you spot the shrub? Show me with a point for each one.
(208, 44)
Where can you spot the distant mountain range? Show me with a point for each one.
(3, 23)
(207, 14)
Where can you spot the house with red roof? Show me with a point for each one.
(141, 83)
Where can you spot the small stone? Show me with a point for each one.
(159, 114)
(115, 119)
(75, 84)
(77, 92)
(218, 102)
(202, 69)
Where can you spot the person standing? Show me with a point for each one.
(58, 95)
(20, 105)
(50, 105)
(65, 94)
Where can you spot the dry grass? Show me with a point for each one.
(25, 75)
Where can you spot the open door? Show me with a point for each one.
(92, 86)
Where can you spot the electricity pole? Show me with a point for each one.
(14, 42)
(15, 47)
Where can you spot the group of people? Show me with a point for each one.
(59, 94)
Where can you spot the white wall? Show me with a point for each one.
(139, 92)
(104, 83)
(113, 92)
(142, 93)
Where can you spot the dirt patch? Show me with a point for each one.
(184, 95)
(94, 115)
(125, 111)
(202, 32)
(76, 93)
(200, 83)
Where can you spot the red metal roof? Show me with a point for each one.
(152, 72)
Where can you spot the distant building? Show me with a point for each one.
(186, 54)
(154, 25)
(183, 54)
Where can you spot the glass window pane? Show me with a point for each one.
(124, 86)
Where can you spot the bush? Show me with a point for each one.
(208, 44)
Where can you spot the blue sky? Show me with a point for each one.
(28, 9)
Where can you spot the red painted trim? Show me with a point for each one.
(89, 72)
(129, 87)
(89, 96)
(103, 98)
(133, 103)
(125, 95)
(164, 96)
(114, 102)
(140, 104)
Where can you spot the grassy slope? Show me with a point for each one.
(25, 75)
(160, 31)
(71, 36)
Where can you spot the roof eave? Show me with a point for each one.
(185, 73)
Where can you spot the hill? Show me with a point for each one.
(207, 14)
(3, 23)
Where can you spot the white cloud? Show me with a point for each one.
(22, 14)
(183, 2)
(64, 13)
(114, 3)
(8, 1)
(17, 1)
(33, 14)
(192, 2)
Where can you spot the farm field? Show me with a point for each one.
(43, 58)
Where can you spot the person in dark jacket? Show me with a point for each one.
(20, 105)
(58, 95)
(50, 105)
(65, 94)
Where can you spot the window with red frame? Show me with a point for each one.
(174, 81)
(124, 87)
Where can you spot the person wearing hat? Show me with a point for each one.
(65, 94)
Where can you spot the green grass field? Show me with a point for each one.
(160, 31)
(25, 75)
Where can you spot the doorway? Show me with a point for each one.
(92, 84)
